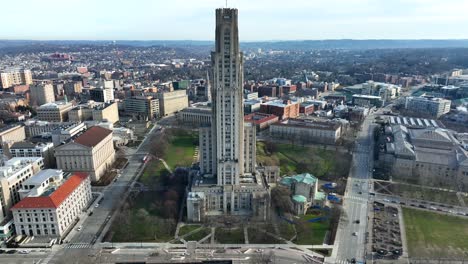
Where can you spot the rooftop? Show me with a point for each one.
(93, 136)
(55, 198)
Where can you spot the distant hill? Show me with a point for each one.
(274, 45)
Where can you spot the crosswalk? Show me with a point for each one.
(355, 198)
(342, 261)
(79, 245)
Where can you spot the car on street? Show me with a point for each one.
(23, 252)
(97, 205)
(79, 228)
(354, 233)
(357, 221)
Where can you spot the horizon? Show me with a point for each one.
(259, 21)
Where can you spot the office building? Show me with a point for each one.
(104, 95)
(92, 152)
(51, 203)
(367, 100)
(13, 173)
(54, 112)
(42, 94)
(427, 106)
(95, 111)
(64, 133)
(172, 102)
(260, 120)
(27, 149)
(142, 107)
(282, 109)
(196, 116)
(229, 183)
(308, 130)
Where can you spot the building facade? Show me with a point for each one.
(197, 116)
(429, 156)
(428, 107)
(25, 149)
(229, 184)
(92, 152)
(172, 102)
(142, 106)
(14, 172)
(282, 109)
(42, 94)
(54, 112)
(13, 77)
(51, 204)
(308, 130)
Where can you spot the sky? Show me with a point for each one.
(259, 20)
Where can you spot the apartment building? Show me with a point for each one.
(11, 77)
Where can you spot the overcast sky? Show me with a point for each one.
(259, 19)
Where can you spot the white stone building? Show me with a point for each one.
(14, 172)
(51, 204)
(92, 152)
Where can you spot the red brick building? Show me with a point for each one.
(261, 121)
(282, 109)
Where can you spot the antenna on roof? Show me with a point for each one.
(226, 3)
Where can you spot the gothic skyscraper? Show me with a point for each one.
(228, 183)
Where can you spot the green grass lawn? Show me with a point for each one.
(229, 235)
(428, 194)
(187, 229)
(202, 233)
(435, 235)
(259, 237)
(180, 153)
(286, 230)
(311, 233)
(294, 159)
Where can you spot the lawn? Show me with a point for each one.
(311, 233)
(179, 154)
(187, 229)
(286, 230)
(202, 233)
(423, 193)
(294, 159)
(435, 235)
(257, 236)
(229, 235)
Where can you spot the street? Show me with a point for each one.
(352, 231)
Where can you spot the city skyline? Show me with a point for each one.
(259, 21)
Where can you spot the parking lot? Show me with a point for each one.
(386, 233)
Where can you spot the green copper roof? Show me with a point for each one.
(299, 198)
(304, 177)
(319, 196)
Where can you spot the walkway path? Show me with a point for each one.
(165, 165)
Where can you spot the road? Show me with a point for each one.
(351, 235)
(93, 225)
